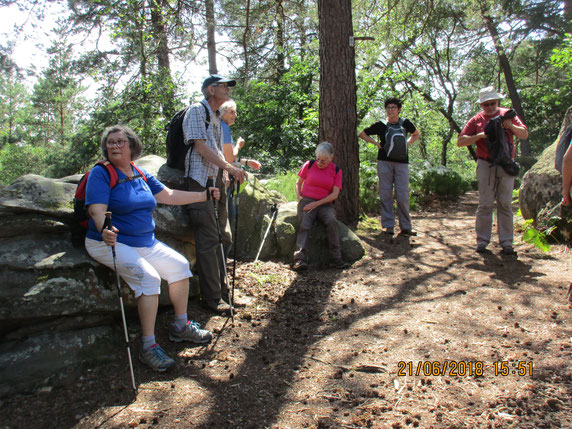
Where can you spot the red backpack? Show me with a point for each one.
(80, 212)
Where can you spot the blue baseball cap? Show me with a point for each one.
(216, 78)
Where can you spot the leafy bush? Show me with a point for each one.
(17, 160)
(285, 183)
(368, 188)
(442, 181)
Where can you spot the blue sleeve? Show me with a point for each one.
(97, 189)
(226, 134)
(154, 184)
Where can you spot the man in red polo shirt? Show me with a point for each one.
(494, 182)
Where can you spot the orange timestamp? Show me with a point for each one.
(464, 368)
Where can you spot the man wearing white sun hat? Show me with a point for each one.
(494, 182)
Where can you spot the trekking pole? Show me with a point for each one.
(107, 224)
(223, 258)
(235, 236)
(274, 211)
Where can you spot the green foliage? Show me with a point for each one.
(19, 159)
(279, 121)
(285, 183)
(442, 181)
(533, 235)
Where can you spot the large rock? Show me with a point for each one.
(285, 234)
(59, 308)
(542, 187)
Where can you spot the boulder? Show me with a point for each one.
(285, 233)
(59, 308)
(541, 190)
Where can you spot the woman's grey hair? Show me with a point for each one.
(325, 148)
(134, 143)
(226, 106)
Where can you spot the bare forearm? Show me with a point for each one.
(210, 155)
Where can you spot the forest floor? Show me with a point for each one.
(361, 348)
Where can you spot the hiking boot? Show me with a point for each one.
(481, 248)
(156, 358)
(388, 231)
(408, 233)
(216, 306)
(508, 251)
(299, 265)
(191, 332)
(340, 265)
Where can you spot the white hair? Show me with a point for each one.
(325, 148)
(226, 106)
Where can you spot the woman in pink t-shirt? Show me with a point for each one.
(319, 184)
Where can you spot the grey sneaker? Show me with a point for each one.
(191, 332)
(156, 358)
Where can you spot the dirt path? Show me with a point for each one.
(361, 348)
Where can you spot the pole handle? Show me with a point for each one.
(107, 222)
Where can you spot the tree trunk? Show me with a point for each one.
(162, 54)
(338, 115)
(509, 79)
(211, 42)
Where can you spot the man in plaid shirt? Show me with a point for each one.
(204, 166)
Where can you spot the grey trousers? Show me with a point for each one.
(212, 275)
(494, 184)
(326, 213)
(392, 174)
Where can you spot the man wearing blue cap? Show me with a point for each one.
(204, 166)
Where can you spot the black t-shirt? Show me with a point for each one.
(379, 129)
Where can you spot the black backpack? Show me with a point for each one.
(80, 213)
(176, 147)
(396, 141)
(499, 146)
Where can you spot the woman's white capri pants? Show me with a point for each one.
(142, 268)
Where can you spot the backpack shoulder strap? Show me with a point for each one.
(111, 170)
(208, 119)
(138, 171)
(311, 163)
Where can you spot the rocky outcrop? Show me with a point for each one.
(59, 308)
(542, 187)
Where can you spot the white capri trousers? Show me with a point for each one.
(142, 268)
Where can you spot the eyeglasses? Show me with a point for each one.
(118, 143)
(492, 103)
(322, 161)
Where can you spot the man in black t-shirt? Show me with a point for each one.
(393, 165)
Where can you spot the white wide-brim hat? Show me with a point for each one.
(489, 93)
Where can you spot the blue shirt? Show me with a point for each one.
(131, 204)
(226, 134)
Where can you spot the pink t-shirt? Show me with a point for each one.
(477, 125)
(319, 182)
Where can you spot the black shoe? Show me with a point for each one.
(340, 265)
(218, 307)
(481, 248)
(508, 251)
(299, 265)
(408, 233)
(388, 231)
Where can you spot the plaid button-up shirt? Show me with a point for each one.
(195, 128)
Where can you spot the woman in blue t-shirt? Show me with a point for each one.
(142, 261)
